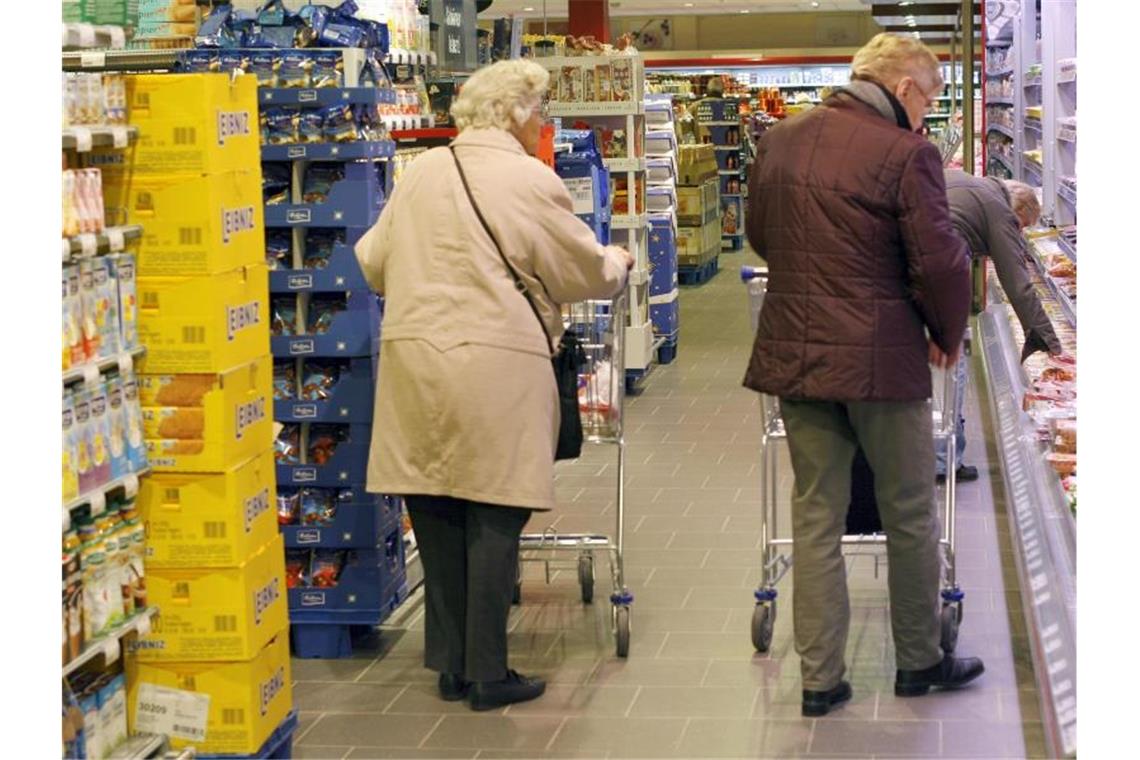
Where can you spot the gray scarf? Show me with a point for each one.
(879, 98)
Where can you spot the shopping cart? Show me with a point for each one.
(601, 392)
(776, 557)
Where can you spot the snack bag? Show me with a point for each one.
(70, 449)
(83, 466)
(622, 78)
(310, 126)
(284, 380)
(297, 568)
(319, 180)
(322, 311)
(287, 445)
(324, 440)
(326, 567)
(123, 266)
(264, 64)
(117, 428)
(133, 424)
(296, 69)
(318, 507)
(288, 506)
(70, 204)
(65, 335)
(89, 305)
(284, 315)
(276, 182)
(99, 434)
(319, 380)
(278, 249)
(319, 245)
(73, 317)
(339, 123)
(106, 307)
(279, 126)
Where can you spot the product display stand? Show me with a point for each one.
(721, 117)
(664, 291)
(605, 93)
(1031, 90)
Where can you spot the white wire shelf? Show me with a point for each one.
(108, 645)
(110, 240)
(90, 371)
(84, 137)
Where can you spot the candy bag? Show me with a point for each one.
(319, 179)
(284, 380)
(322, 311)
(326, 568)
(284, 315)
(318, 507)
(319, 379)
(323, 442)
(288, 506)
(287, 445)
(297, 568)
(278, 249)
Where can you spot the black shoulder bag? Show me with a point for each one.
(566, 362)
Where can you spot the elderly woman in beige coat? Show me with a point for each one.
(466, 417)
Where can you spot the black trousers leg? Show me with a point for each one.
(492, 559)
(440, 525)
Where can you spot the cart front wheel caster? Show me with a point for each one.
(621, 630)
(586, 578)
(763, 621)
(516, 595)
(950, 619)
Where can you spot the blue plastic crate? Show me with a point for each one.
(662, 255)
(355, 201)
(599, 224)
(348, 466)
(324, 96)
(333, 151)
(334, 638)
(588, 182)
(362, 524)
(665, 317)
(365, 588)
(350, 399)
(279, 745)
(353, 332)
(342, 273)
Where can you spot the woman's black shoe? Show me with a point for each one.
(487, 695)
(818, 703)
(951, 673)
(452, 687)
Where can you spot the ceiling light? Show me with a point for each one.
(746, 11)
(528, 10)
(814, 5)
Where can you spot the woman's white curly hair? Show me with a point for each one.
(501, 95)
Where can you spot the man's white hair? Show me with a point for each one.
(501, 95)
(1023, 200)
(887, 58)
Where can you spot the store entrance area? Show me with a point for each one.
(693, 686)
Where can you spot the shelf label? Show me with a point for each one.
(120, 136)
(297, 151)
(307, 96)
(115, 239)
(143, 625)
(92, 59)
(126, 363)
(111, 650)
(131, 485)
(581, 194)
(312, 536)
(83, 138)
(173, 712)
(98, 503)
(312, 599)
(66, 249)
(305, 411)
(88, 244)
(118, 37)
(301, 347)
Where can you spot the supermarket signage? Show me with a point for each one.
(240, 317)
(299, 347)
(270, 689)
(298, 151)
(298, 216)
(247, 414)
(305, 411)
(300, 282)
(232, 124)
(312, 536)
(237, 220)
(171, 712)
(254, 506)
(304, 474)
(313, 599)
(263, 598)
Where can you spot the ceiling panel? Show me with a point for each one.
(557, 8)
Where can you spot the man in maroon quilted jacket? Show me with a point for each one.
(868, 284)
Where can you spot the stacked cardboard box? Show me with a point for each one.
(215, 561)
(698, 218)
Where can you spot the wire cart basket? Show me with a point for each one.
(601, 395)
(776, 557)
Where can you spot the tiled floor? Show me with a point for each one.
(692, 686)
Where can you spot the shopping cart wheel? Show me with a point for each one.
(763, 621)
(951, 617)
(586, 577)
(621, 629)
(516, 595)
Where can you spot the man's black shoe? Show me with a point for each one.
(951, 673)
(452, 687)
(817, 703)
(967, 473)
(487, 695)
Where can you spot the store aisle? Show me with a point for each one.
(693, 686)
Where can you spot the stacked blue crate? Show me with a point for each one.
(344, 546)
(664, 291)
(587, 179)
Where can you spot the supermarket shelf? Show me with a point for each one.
(437, 133)
(91, 370)
(1000, 73)
(1043, 531)
(108, 644)
(1000, 129)
(1067, 248)
(141, 747)
(121, 60)
(406, 122)
(1067, 71)
(616, 108)
(1033, 123)
(1066, 303)
(733, 148)
(97, 498)
(346, 151)
(722, 123)
(729, 172)
(325, 96)
(999, 101)
(110, 240)
(1067, 193)
(410, 57)
(85, 137)
(1067, 130)
(625, 164)
(629, 221)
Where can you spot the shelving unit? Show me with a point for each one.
(664, 291)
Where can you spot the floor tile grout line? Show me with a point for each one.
(306, 732)
(395, 699)
(636, 696)
(434, 728)
(550, 744)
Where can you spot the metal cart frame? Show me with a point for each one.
(601, 327)
(776, 557)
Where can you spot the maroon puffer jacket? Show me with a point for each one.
(850, 212)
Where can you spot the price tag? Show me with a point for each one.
(92, 59)
(98, 503)
(143, 625)
(131, 486)
(581, 194)
(126, 363)
(115, 238)
(83, 138)
(111, 650)
(66, 249)
(173, 712)
(88, 244)
(91, 374)
(120, 136)
(118, 37)
(66, 520)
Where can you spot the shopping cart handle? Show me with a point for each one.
(751, 273)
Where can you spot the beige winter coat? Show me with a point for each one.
(466, 404)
